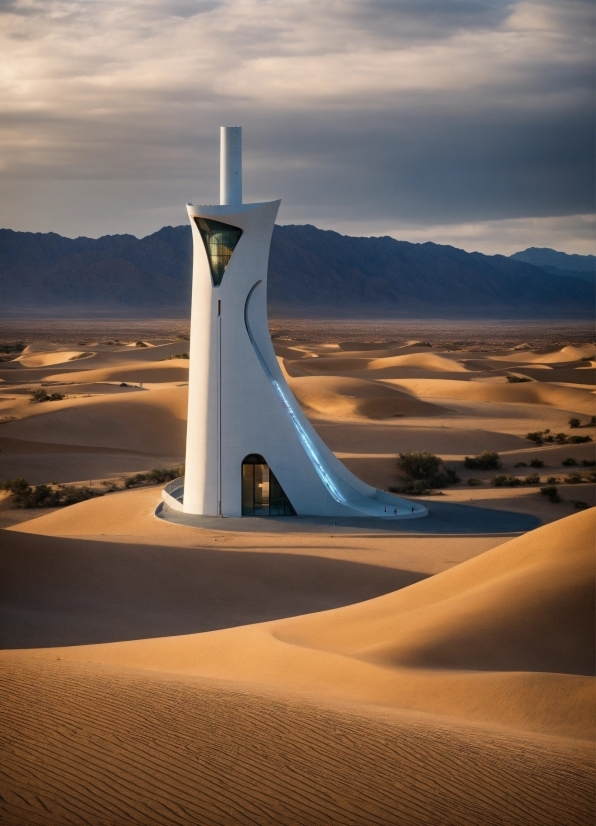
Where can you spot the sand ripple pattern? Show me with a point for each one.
(83, 744)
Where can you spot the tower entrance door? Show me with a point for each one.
(262, 495)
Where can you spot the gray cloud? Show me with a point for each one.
(390, 19)
(392, 114)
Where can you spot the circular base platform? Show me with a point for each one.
(443, 519)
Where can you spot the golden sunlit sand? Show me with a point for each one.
(158, 673)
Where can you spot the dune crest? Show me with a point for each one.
(152, 421)
(527, 605)
(348, 398)
(174, 369)
(534, 392)
(565, 354)
(424, 361)
(54, 357)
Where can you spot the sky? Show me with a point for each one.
(464, 122)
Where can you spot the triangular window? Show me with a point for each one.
(220, 242)
(262, 495)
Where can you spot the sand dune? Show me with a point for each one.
(84, 745)
(565, 354)
(177, 675)
(424, 361)
(292, 352)
(372, 438)
(516, 620)
(347, 398)
(327, 365)
(161, 371)
(54, 357)
(565, 398)
(414, 707)
(118, 355)
(571, 375)
(359, 361)
(98, 388)
(527, 605)
(152, 422)
(42, 347)
(79, 591)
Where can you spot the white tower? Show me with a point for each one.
(250, 450)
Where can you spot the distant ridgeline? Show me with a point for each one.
(312, 272)
(559, 263)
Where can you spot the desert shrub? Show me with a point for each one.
(123, 384)
(162, 475)
(536, 463)
(588, 462)
(15, 486)
(180, 356)
(520, 464)
(488, 460)
(573, 422)
(11, 346)
(580, 506)
(517, 379)
(590, 476)
(45, 496)
(541, 436)
(10, 349)
(551, 492)
(423, 472)
(592, 422)
(156, 476)
(569, 462)
(578, 440)
(533, 479)
(70, 495)
(39, 396)
(137, 479)
(574, 478)
(418, 486)
(419, 465)
(501, 481)
(109, 485)
(140, 344)
(552, 480)
(474, 482)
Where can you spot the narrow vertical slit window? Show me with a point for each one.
(220, 241)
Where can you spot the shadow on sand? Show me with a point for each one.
(57, 592)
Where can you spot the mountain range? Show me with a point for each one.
(312, 272)
(560, 263)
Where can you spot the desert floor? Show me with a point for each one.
(299, 673)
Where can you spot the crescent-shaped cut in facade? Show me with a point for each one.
(250, 450)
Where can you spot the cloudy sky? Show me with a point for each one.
(468, 122)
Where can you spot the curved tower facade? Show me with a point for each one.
(250, 449)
